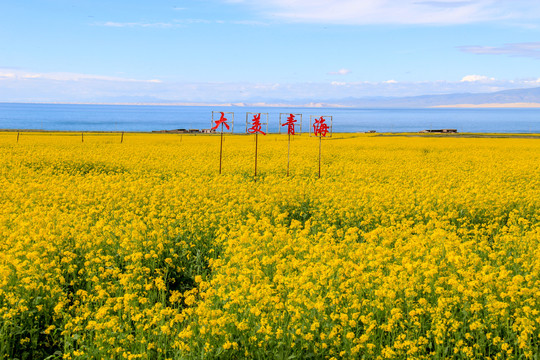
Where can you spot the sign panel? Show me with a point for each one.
(320, 126)
(222, 121)
(290, 124)
(255, 122)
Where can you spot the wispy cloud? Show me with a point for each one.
(340, 72)
(7, 75)
(529, 49)
(250, 22)
(4, 68)
(18, 85)
(177, 23)
(397, 12)
(66, 76)
(476, 78)
(444, 4)
(161, 25)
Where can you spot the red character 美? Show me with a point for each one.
(320, 128)
(222, 120)
(256, 128)
(290, 124)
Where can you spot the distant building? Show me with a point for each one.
(175, 131)
(442, 131)
(208, 131)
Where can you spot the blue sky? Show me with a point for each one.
(265, 50)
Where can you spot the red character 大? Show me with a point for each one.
(290, 124)
(320, 128)
(256, 128)
(222, 120)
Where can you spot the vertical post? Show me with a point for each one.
(256, 145)
(17, 137)
(288, 154)
(122, 138)
(320, 144)
(82, 137)
(221, 149)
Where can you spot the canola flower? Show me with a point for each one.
(407, 247)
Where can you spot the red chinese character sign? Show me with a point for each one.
(320, 126)
(222, 121)
(254, 125)
(292, 125)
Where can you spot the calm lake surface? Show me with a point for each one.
(158, 117)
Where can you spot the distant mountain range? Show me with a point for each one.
(515, 96)
(506, 98)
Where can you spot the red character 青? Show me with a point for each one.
(290, 124)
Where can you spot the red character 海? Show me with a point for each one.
(320, 128)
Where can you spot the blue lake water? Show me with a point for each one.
(148, 118)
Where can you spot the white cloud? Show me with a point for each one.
(529, 49)
(476, 78)
(267, 86)
(20, 85)
(249, 22)
(66, 76)
(531, 82)
(397, 12)
(161, 25)
(340, 72)
(178, 23)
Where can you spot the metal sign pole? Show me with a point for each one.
(256, 145)
(288, 154)
(221, 149)
(320, 145)
(222, 122)
(17, 137)
(320, 129)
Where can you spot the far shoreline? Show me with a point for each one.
(311, 105)
(507, 135)
(490, 106)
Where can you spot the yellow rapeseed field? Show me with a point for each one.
(406, 248)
